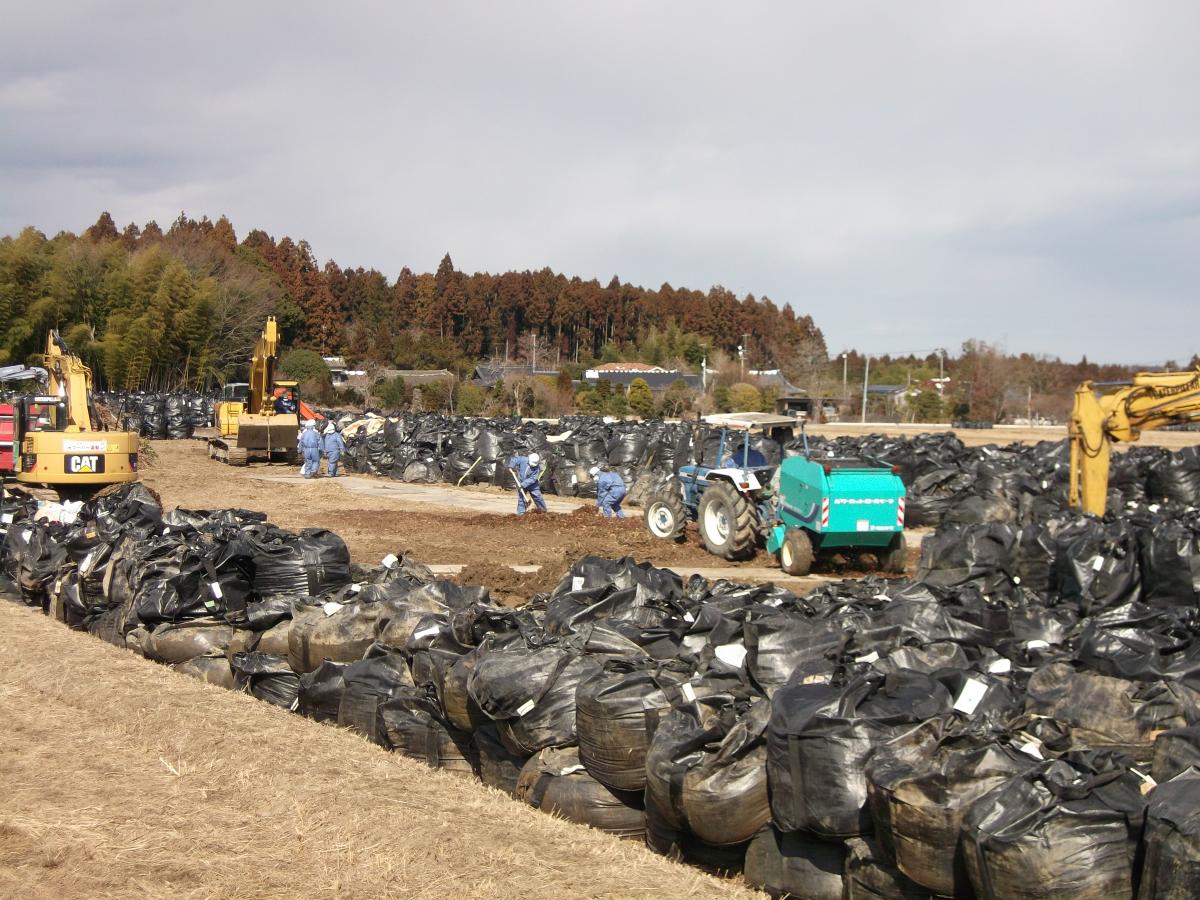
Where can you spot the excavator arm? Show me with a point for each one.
(68, 377)
(262, 371)
(1103, 414)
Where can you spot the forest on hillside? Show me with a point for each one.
(150, 309)
(182, 308)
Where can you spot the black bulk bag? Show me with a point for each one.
(555, 782)
(550, 722)
(1068, 828)
(920, 798)
(311, 563)
(705, 775)
(413, 726)
(617, 712)
(1176, 477)
(821, 736)
(1170, 559)
(380, 675)
(979, 555)
(777, 645)
(266, 677)
(321, 690)
(1105, 712)
(1171, 870)
(795, 864)
(870, 875)
(1175, 751)
(498, 767)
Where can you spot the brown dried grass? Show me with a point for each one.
(120, 777)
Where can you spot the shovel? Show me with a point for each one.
(470, 470)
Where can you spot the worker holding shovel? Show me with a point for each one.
(527, 472)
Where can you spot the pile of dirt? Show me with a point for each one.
(508, 586)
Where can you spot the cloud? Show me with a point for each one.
(911, 175)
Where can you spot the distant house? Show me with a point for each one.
(658, 381)
(487, 374)
(628, 367)
(774, 378)
(896, 395)
(795, 404)
(338, 370)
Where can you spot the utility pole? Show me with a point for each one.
(866, 381)
(742, 351)
(845, 389)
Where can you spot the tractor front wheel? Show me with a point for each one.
(895, 557)
(666, 518)
(796, 554)
(727, 522)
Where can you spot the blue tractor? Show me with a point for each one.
(805, 505)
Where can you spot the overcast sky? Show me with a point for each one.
(910, 174)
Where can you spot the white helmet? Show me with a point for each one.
(534, 459)
(309, 423)
(329, 429)
(594, 471)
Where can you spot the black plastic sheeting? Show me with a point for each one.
(161, 416)
(994, 728)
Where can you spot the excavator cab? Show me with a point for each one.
(43, 414)
(62, 443)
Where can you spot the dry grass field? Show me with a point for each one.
(121, 778)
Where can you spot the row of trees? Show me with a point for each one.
(183, 307)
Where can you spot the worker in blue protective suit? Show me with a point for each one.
(310, 446)
(285, 403)
(333, 445)
(528, 470)
(610, 491)
(753, 460)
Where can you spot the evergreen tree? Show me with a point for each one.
(641, 400)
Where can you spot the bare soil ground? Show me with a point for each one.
(122, 778)
(375, 523)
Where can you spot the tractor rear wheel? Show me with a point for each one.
(796, 554)
(665, 517)
(727, 522)
(895, 558)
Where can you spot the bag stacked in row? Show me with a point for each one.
(1017, 722)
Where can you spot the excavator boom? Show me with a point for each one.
(1107, 413)
(258, 429)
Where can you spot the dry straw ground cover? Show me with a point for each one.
(119, 777)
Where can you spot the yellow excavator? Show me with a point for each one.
(63, 443)
(259, 421)
(1104, 413)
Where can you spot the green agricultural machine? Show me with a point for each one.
(806, 505)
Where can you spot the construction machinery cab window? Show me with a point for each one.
(44, 414)
(237, 392)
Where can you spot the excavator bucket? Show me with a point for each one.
(264, 437)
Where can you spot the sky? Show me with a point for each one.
(911, 175)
